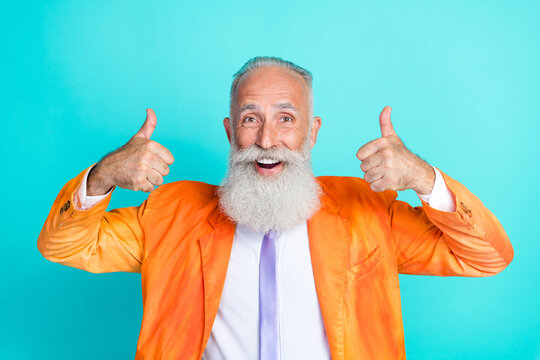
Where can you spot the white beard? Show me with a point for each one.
(275, 202)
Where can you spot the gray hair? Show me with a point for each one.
(269, 61)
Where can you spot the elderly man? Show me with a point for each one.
(274, 263)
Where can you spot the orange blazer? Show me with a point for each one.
(180, 242)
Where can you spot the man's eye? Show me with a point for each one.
(249, 119)
(287, 119)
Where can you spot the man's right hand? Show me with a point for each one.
(138, 165)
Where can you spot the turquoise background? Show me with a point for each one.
(76, 77)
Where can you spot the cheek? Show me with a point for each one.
(245, 137)
(294, 139)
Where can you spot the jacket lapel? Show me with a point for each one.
(329, 235)
(215, 253)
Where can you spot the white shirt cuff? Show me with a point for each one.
(83, 201)
(441, 197)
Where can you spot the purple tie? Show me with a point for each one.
(268, 312)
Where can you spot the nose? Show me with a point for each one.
(268, 135)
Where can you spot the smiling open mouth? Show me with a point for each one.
(268, 163)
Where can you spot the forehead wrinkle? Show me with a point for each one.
(250, 86)
(279, 106)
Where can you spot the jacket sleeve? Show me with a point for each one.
(467, 242)
(92, 240)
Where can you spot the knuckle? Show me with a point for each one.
(146, 156)
(139, 179)
(140, 165)
(394, 181)
(149, 146)
(368, 177)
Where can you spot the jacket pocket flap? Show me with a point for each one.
(366, 266)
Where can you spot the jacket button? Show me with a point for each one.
(65, 207)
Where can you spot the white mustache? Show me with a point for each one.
(256, 153)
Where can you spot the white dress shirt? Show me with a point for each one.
(235, 333)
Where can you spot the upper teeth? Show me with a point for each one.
(267, 161)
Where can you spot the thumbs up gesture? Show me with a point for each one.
(138, 165)
(389, 165)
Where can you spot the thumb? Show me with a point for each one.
(386, 124)
(149, 125)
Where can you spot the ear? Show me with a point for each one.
(228, 130)
(314, 131)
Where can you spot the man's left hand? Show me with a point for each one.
(389, 165)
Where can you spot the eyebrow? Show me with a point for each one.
(281, 105)
(285, 105)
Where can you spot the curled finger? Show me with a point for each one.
(159, 165)
(379, 185)
(371, 162)
(374, 174)
(154, 178)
